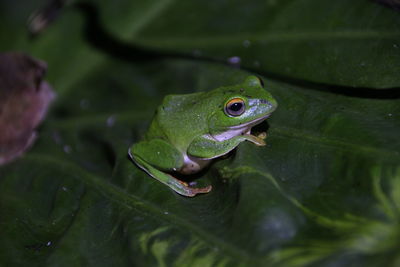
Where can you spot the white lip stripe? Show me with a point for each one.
(231, 133)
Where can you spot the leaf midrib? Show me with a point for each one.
(130, 201)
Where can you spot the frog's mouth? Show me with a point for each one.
(250, 123)
(242, 129)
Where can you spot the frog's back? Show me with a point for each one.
(179, 118)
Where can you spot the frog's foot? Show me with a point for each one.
(262, 135)
(175, 184)
(257, 140)
(184, 189)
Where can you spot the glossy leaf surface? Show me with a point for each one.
(324, 191)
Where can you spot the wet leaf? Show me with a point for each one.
(323, 192)
(346, 43)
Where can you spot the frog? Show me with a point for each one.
(189, 131)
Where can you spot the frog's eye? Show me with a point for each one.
(261, 81)
(235, 107)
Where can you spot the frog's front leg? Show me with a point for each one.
(157, 155)
(207, 147)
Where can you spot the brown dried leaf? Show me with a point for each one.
(24, 99)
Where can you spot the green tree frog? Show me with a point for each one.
(189, 131)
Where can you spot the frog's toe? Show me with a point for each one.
(193, 191)
(184, 189)
(262, 135)
(201, 190)
(255, 140)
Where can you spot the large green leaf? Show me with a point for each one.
(352, 43)
(324, 191)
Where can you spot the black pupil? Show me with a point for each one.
(236, 106)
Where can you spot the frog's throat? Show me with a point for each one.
(236, 130)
